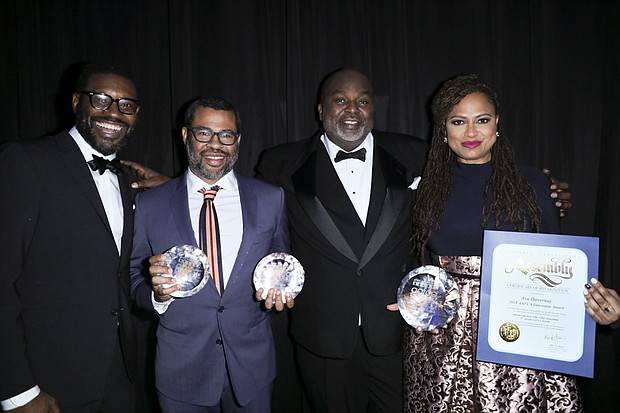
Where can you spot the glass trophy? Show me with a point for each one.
(280, 271)
(190, 268)
(428, 297)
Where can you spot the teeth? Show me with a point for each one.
(109, 126)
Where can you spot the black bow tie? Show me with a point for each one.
(359, 154)
(101, 164)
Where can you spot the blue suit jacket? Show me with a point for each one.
(198, 336)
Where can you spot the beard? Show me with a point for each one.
(195, 162)
(85, 124)
(340, 133)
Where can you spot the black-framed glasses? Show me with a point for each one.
(204, 135)
(103, 101)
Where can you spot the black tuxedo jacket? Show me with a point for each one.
(66, 290)
(350, 269)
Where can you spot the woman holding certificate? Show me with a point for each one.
(470, 183)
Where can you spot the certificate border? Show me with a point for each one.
(584, 366)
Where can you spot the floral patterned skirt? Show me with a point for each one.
(442, 375)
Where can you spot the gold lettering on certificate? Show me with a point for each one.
(509, 332)
(550, 273)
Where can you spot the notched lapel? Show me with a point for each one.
(179, 209)
(249, 212)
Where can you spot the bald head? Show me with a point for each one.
(346, 108)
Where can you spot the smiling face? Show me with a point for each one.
(471, 126)
(211, 161)
(347, 108)
(106, 131)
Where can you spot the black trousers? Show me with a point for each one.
(362, 382)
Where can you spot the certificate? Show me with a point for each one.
(531, 301)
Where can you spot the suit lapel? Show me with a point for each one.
(179, 208)
(127, 196)
(75, 163)
(248, 199)
(304, 184)
(394, 201)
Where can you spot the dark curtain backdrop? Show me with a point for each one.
(554, 64)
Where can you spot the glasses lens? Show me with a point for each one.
(202, 134)
(100, 101)
(127, 106)
(227, 138)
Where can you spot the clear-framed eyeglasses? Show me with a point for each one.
(205, 135)
(103, 101)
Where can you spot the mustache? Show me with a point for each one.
(350, 116)
(214, 151)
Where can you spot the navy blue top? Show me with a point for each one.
(460, 223)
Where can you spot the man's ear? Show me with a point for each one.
(75, 100)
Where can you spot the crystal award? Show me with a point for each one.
(428, 297)
(280, 271)
(190, 268)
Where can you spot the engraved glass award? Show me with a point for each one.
(428, 297)
(190, 268)
(280, 271)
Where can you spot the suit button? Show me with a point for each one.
(118, 274)
(114, 312)
(220, 309)
(219, 342)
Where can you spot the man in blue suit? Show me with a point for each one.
(215, 350)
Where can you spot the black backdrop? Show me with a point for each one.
(555, 65)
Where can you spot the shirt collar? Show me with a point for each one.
(228, 182)
(332, 148)
(87, 150)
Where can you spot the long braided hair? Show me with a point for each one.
(513, 201)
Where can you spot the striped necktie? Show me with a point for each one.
(210, 236)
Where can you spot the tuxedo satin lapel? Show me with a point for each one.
(248, 199)
(305, 189)
(128, 211)
(75, 163)
(395, 198)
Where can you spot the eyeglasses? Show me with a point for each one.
(102, 101)
(205, 135)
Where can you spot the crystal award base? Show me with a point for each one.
(280, 271)
(428, 298)
(190, 268)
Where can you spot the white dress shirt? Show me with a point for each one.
(355, 175)
(108, 187)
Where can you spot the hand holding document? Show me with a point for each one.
(531, 301)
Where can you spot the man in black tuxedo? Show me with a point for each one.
(349, 209)
(67, 219)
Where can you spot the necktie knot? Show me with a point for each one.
(101, 164)
(359, 154)
(209, 194)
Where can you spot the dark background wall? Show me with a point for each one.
(555, 65)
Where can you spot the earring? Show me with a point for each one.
(445, 139)
(497, 134)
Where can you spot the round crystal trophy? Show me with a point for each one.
(190, 268)
(280, 271)
(428, 297)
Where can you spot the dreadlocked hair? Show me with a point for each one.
(514, 200)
